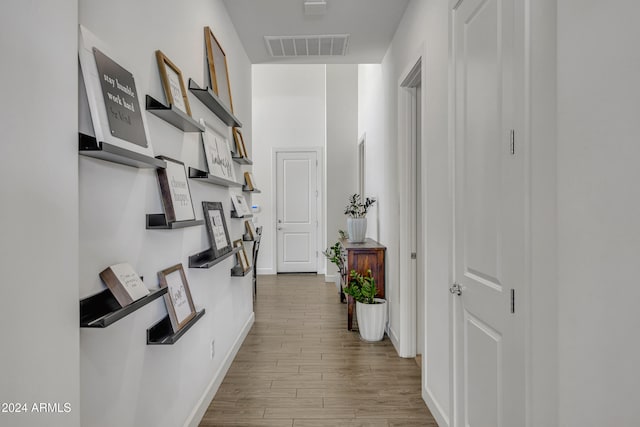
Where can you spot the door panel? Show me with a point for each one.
(296, 206)
(489, 219)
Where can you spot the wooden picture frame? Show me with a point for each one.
(178, 297)
(217, 228)
(217, 153)
(248, 178)
(241, 150)
(251, 229)
(243, 259)
(240, 205)
(173, 84)
(218, 69)
(174, 189)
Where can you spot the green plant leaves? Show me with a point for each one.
(362, 288)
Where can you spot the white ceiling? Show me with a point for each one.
(371, 23)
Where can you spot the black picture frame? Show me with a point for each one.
(213, 211)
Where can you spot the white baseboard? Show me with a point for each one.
(394, 339)
(441, 417)
(330, 278)
(266, 271)
(201, 408)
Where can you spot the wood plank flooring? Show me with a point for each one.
(299, 366)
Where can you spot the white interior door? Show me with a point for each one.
(489, 219)
(296, 211)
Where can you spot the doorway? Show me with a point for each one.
(297, 209)
(412, 234)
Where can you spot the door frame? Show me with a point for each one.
(405, 338)
(320, 205)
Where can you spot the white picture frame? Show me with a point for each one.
(240, 205)
(87, 41)
(217, 153)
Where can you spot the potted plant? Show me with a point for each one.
(337, 256)
(371, 312)
(356, 211)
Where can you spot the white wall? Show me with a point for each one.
(423, 32)
(39, 243)
(598, 213)
(125, 382)
(288, 111)
(342, 139)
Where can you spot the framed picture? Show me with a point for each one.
(217, 152)
(218, 70)
(240, 205)
(217, 228)
(240, 150)
(251, 229)
(248, 177)
(173, 83)
(243, 259)
(178, 297)
(174, 187)
(108, 91)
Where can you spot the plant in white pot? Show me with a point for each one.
(356, 211)
(371, 312)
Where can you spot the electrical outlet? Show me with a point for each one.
(213, 348)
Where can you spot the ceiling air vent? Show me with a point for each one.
(292, 46)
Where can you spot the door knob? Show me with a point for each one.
(456, 289)
(279, 228)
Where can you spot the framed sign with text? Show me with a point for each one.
(174, 188)
(112, 97)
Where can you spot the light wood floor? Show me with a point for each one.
(299, 366)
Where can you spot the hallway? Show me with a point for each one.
(299, 366)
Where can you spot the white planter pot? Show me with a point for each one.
(357, 229)
(372, 319)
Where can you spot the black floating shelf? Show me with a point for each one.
(234, 214)
(211, 100)
(162, 333)
(173, 115)
(159, 222)
(203, 176)
(89, 146)
(237, 271)
(242, 160)
(102, 309)
(246, 190)
(205, 259)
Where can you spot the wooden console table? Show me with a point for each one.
(368, 255)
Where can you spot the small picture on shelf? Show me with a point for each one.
(174, 188)
(251, 229)
(241, 150)
(249, 180)
(243, 259)
(124, 283)
(218, 70)
(178, 297)
(173, 83)
(217, 228)
(240, 205)
(217, 153)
